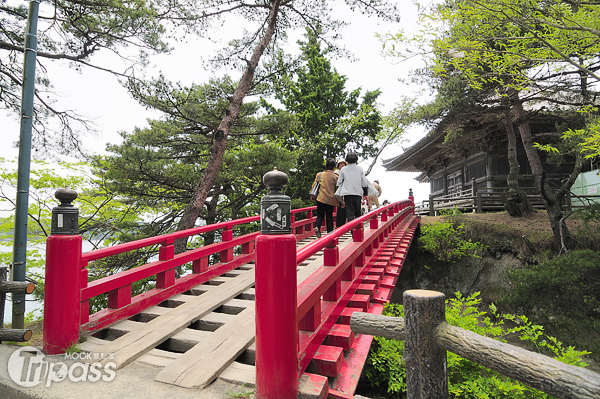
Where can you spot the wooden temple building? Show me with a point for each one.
(462, 162)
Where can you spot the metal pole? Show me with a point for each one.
(19, 264)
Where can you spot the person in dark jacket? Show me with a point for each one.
(340, 213)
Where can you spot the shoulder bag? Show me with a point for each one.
(315, 189)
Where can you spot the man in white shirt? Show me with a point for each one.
(340, 210)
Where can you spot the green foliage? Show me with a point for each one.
(75, 348)
(160, 166)
(103, 218)
(484, 57)
(590, 214)
(444, 240)
(330, 119)
(565, 286)
(243, 392)
(34, 315)
(327, 113)
(562, 294)
(384, 370)
(75, 32)
(450, 212)
(384, 373)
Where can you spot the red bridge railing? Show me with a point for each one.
(68, 293)
(297, 326)
(297, 329)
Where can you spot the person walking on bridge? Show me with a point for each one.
(340, 213)
(374, 198)
(352, 186)
(326, 200)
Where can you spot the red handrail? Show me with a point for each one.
(332, 281)
(320, 299)
(121, 304)
(150, 241)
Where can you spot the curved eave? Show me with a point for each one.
(406, 161)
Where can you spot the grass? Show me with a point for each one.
(243, 392)
(37, 339)
(529, 238)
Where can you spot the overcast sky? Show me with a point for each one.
(101, 98)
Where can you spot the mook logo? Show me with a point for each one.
(29, 367)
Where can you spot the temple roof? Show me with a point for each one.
(417, 154)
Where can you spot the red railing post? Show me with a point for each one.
(62, 288)
(298, 230)
(200, 265)
(374, 223)
(276, 296)
(226, 235)
(167, 278)
(83, 282)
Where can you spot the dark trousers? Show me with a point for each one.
(324, 211)
(340, 216)
(352, 206)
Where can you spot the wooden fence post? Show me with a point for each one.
(426, 372)
(14, 287)
(431, 209)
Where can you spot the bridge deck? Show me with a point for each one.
(208, 332)
(164, 335)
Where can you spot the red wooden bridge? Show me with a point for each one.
(214, 323)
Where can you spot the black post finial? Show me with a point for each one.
(65, 216)
(275, 207)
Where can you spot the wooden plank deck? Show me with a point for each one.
(135, 343)
(182, 334)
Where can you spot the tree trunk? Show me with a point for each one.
(220, 140)
(552, 200)
(211, 217)
(515, 200)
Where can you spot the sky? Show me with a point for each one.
(101, 98)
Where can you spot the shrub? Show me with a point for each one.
(444, 240)
(565, 286)
(384, 373)
(562, 294)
